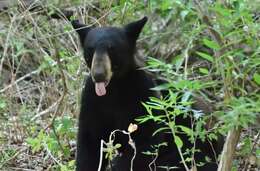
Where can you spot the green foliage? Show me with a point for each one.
(56, 146)
(176, 104)
(211, 44)
(240, 112)
(6, 155)
(231, 52)
(2, 104)
(205, 56)
(225, 74)
(257, 78)
(155, 148)
(111, 150)
(70, 166)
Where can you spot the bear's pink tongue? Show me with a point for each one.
(100, 88)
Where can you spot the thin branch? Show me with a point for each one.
(60, 66)
(12, 157)
(153, 162)
(174, 135)
(102, 142)
(20, 79)
(186, 56)
(111, 140)
(48, 110)
(7, 42)
(49, 153)
(132, 144)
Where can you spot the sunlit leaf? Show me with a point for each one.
(185, 129)
(257, 78)
(204, 71)
(178, 141)
(211, 44)
(205, 56)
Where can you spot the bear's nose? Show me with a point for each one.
(99, 75)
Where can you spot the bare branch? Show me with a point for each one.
(19, 79)
(229, 148)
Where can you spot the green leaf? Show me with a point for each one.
(178, 61)
(211, 44)
(147, 108)
(186, 130)
(2, 104)
(205, 56)
(178, 141)
(257, 78)
(257, 152)
(118, 146)
(166, 5)
(183, 14)
(204, 71)
(207, 159)
(165, 86)
(160, 129)
(222, 10)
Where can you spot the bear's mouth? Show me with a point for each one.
(101, 71)
(100, 88)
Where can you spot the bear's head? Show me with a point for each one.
(108, 51)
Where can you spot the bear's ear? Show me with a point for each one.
(133, 29)
(81, 29)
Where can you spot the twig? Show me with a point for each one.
(57, 56)
(153, 162)
(48, 110)
(102, 142)
(132, 144)
(21, 169)
(12, 157)
(6, 43)
(40, 101)
(186, 56)
(213, 150)
(20, 79)
(111, 139)
(173, 134)
(49, 153)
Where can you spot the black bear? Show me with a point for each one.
(112, 96)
